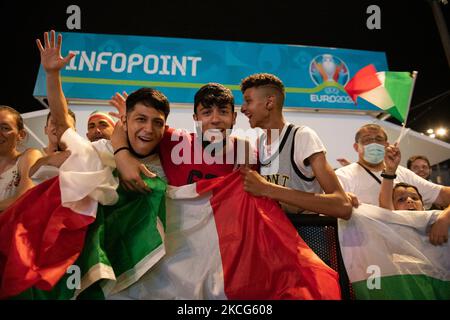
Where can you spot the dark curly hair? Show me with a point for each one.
(213, 94)
(151, 98)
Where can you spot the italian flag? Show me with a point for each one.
(387, 255)
(123, 243)
(43, 232)
(40, 239)
(219, 243)
(222, 243)
(389, 91)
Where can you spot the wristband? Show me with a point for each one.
(388, 176)
(120, 149)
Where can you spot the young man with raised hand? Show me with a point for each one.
(143, 120)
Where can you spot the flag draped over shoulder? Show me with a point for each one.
(388, 255)
(43, 232)
(389, 91)
(222, 243)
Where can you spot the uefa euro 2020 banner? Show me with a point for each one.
(104, 64)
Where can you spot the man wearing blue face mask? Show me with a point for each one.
(363, 178)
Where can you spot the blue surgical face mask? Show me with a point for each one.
(374, 153)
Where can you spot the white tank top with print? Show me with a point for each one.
(9, 181)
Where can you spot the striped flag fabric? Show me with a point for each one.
(43, 232)
(388, 255)
(222, 243)
(124, 242)
(389, 91)
(39, 240)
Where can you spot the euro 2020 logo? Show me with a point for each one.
(328, 68)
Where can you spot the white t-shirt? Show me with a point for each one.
(356, 180)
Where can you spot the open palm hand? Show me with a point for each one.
(51, 58)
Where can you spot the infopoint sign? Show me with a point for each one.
(105, 64)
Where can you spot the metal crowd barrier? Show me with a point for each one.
(321, 235)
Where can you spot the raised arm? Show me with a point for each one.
(392, 159)
(53, 62)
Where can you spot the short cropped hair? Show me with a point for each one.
(264, 80)
(213, 94)
(149, 97)
(370, 126)
(414, 158)
(407, 185)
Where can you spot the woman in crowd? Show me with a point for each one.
(14, 165)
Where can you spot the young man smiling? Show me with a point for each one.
(189, 157)
(143, 120)
(100, 126)
(294, 168)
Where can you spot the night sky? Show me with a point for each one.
(408, 35)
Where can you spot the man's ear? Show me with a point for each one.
(356, 147)
(22, 135)
(234, 117)
(123, 118)
(194, 116)
(270, 102)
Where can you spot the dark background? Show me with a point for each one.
(408, 35)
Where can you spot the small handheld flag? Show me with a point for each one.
(389, 91)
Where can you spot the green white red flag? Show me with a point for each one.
(223, 243)
(389, 91)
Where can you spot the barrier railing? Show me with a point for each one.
(321, 235)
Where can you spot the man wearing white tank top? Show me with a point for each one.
(294, 168)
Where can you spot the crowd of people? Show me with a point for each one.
(289, 164)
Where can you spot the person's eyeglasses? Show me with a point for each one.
(369, 140)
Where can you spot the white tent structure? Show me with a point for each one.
(336, 130)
